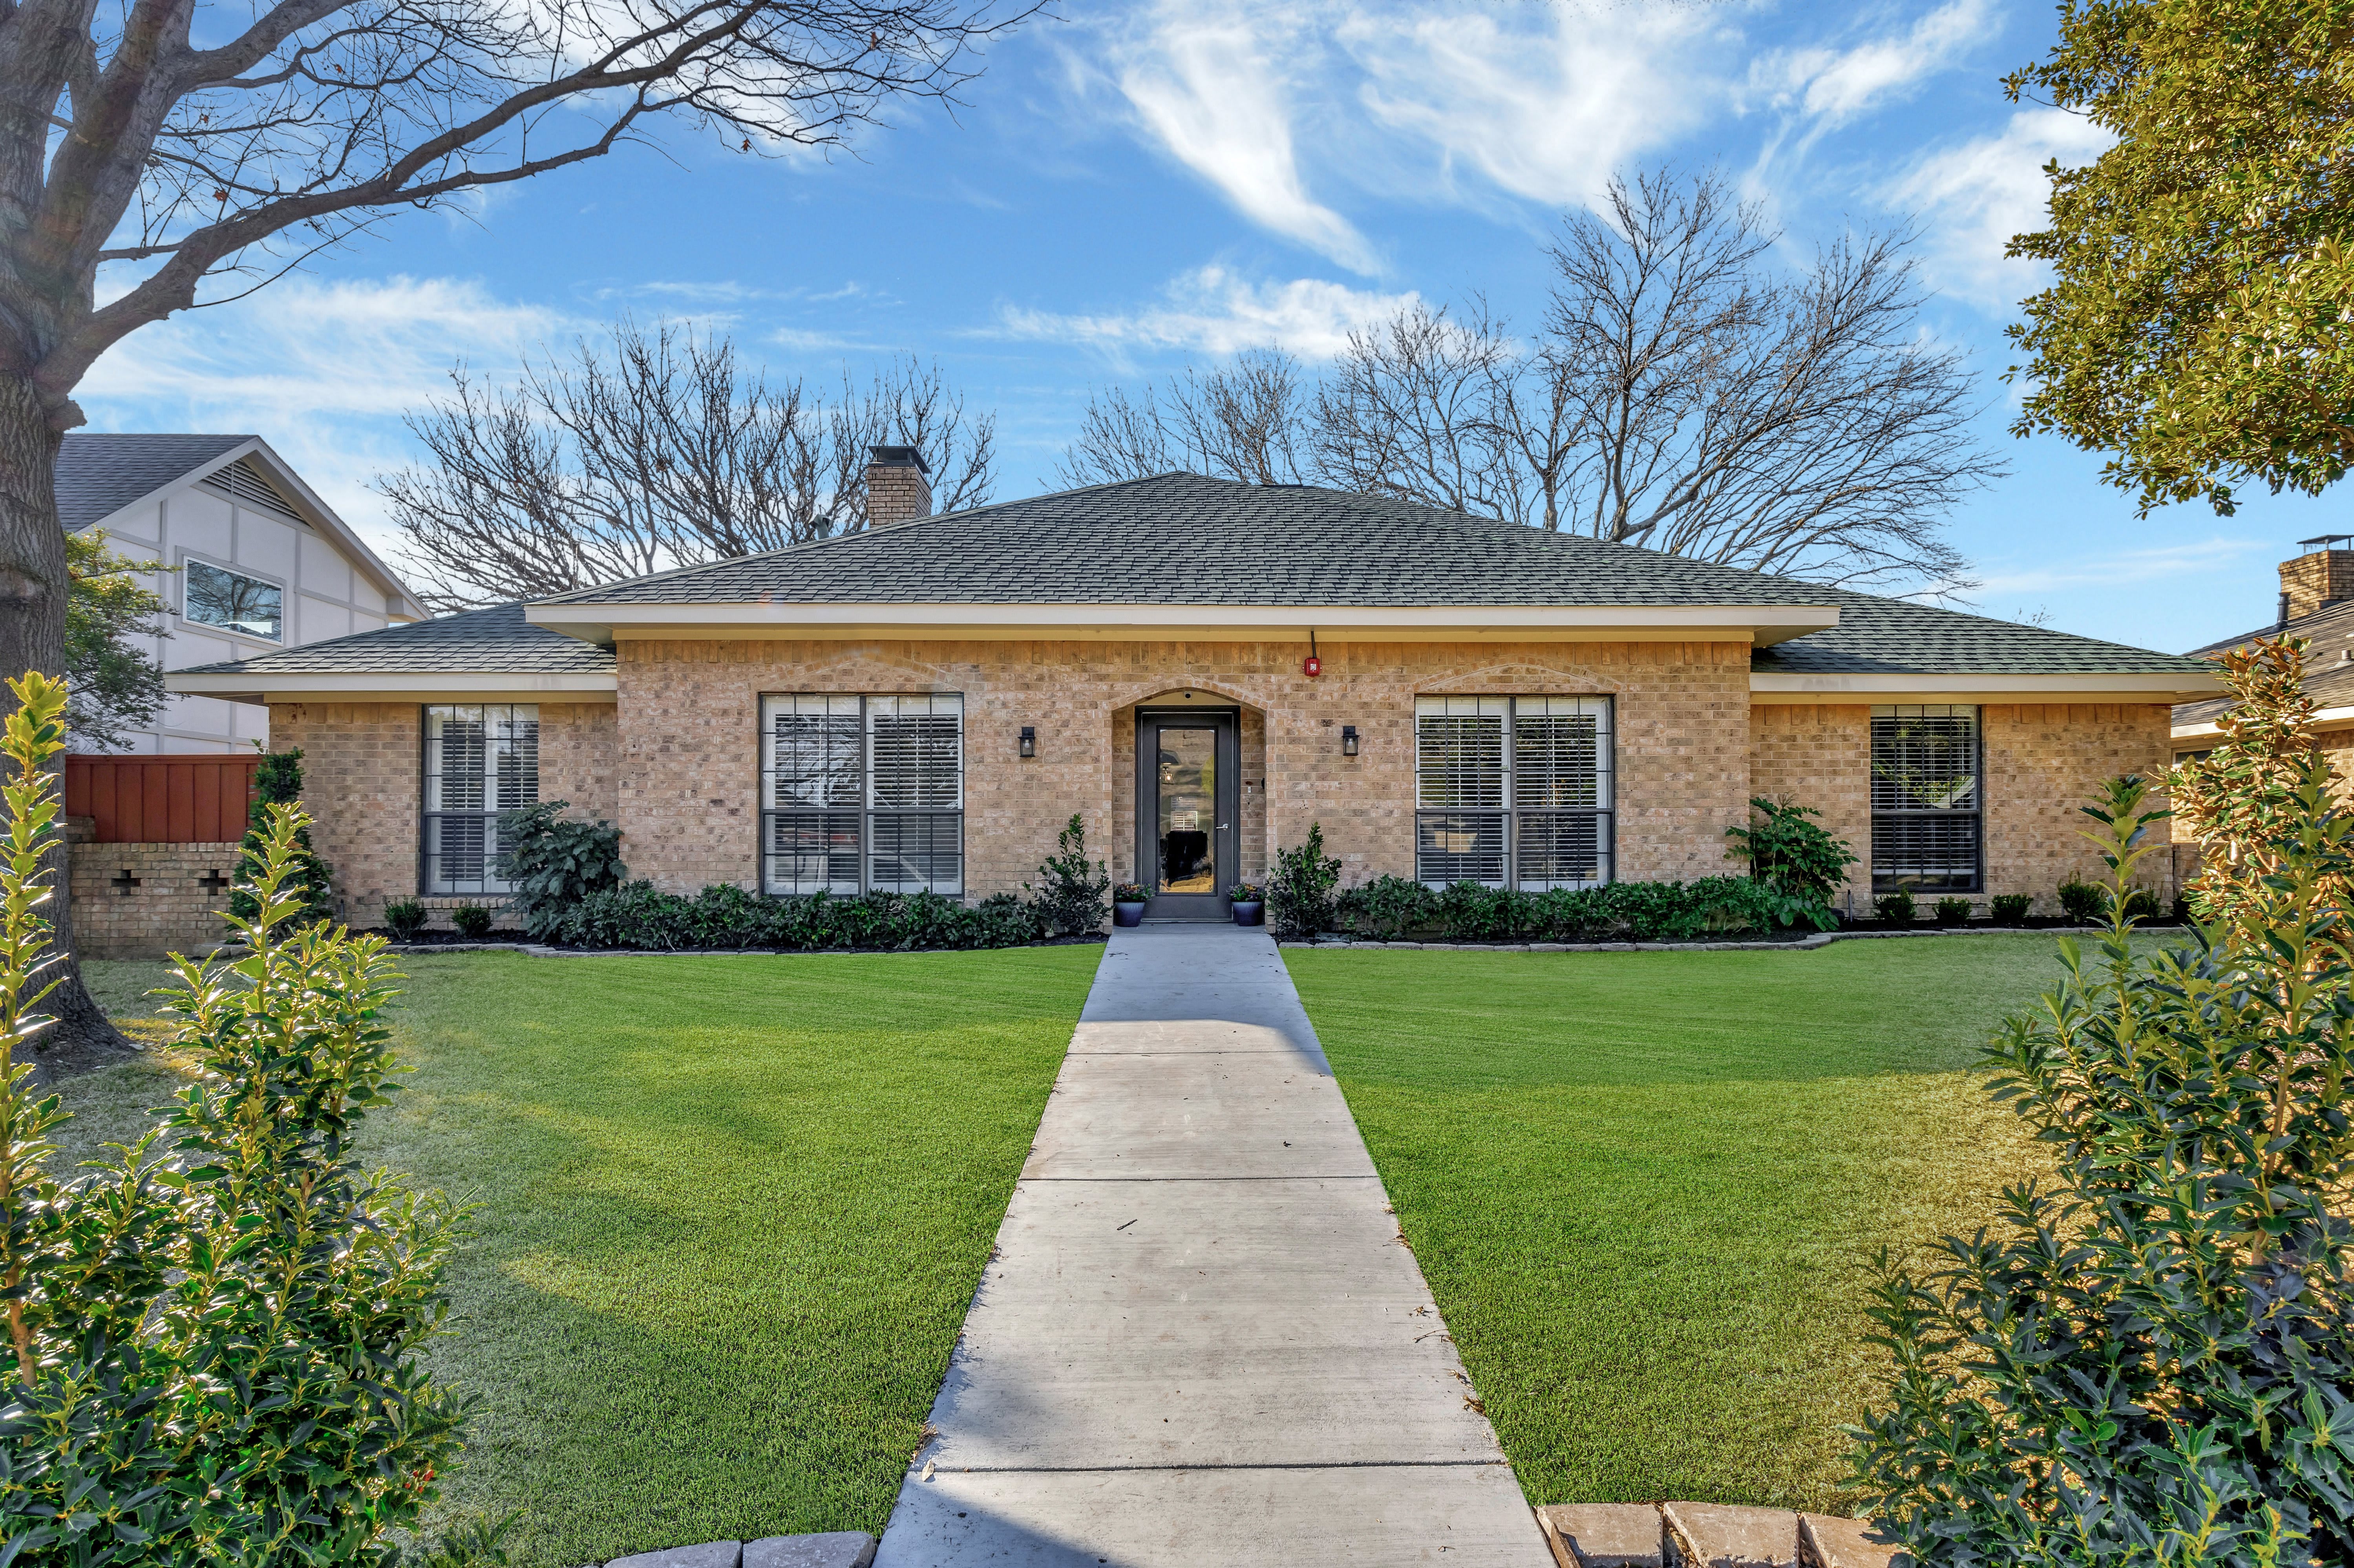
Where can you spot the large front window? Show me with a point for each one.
(862, 794)
(1926, 797)
(1512, 792)
(481, 759)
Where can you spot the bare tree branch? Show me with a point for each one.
(660, 451)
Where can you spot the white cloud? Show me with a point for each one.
(1542, 102)
(1213, 311)
(322, 370)
(1973, 197)
(1832, 87)
(2215, 556)
(1215, 88)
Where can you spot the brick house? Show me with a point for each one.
(1200, 668)
(2317, 603)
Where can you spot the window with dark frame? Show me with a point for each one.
(862, 794)
(215, 596)
(1513, 792)
(481, 759)
(1927, 800)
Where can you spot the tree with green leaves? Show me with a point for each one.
(278, 785)
(2197, 325)
(115, 685)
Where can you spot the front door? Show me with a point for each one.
(1186, 798)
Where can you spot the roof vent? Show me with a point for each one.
(245, 483)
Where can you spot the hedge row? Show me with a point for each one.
(1394, 907)
(639, 914)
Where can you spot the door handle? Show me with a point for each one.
(1224, 826)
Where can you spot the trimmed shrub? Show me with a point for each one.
(554, 863)
(2011, 909)
(1299, 890)
(2084, 903)
(404, 918)
(2150, 1359)
(277, 781)
(2141, 903)
(1390, 907)
(471, 920)
(639, 914)
(1071, 901)
(1896, 908)
(1953, 911)
(1386, 908)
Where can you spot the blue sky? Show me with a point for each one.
(1131, 188)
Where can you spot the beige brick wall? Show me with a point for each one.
(689, 715)
(170, 910)
(2042, 762)
(363, 779)
(1819, 756)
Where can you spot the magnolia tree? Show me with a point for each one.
(191, 153)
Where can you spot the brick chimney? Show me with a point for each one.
(899, 488)
(2323, 575)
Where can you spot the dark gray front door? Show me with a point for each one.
(1186, 795)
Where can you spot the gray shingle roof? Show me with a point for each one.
(1897, 637)
(1178, 538)
(100, 474)
(2329, 660)
(496, 640)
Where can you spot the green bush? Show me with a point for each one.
(277, 781)
(553, 862)
(1387, 907)
(2150, 1360)
(1071, 901)
(1953, 911)
(1796, 858)
(217, 1337)
(404, 918)
(2082, 903)
(1299, 890)
(2011, 909)
(640, 916)
(1896, 908)
(2141, 903)
(472, 921)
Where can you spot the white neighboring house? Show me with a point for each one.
(264, 564)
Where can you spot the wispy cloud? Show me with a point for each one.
(1215, 88)
(1832, 86)
(1215, 311)
(322, 370)
(2218, 553)
(1974, 197)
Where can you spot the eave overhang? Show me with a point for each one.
(395, 685)
(2085, 686)
(2213, 729)
(1760, 625)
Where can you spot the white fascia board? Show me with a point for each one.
(1129, 622)
(2211, 729)
(2089, 687)
(393, 686)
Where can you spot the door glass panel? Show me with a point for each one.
(1186, 810)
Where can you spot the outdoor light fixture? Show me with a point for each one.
(1029, 740)
(1347, 740)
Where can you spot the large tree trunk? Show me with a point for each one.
(32, 589)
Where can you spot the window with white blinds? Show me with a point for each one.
(1927, 810)
(481, 759)
(1512, 792)
(862, 794)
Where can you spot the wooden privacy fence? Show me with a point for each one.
(162, 799)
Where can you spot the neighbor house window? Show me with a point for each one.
(215, 596)
(1512, 792)
(1927, 798)
(862, 794)
(481, 759)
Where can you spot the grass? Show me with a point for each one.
(732, 1210)
(1646, 1188)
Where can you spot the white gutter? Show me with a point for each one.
(395, 685)
(2169, 687)
(2210, 730)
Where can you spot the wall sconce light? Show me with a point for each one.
(1347, 740)
(1029, 740)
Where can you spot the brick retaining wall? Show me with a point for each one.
(142, 901)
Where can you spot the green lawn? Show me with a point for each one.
(1646, 1186)
(732, 1212)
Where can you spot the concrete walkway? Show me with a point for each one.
(1201, 1341)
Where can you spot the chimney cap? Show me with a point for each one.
(2324, 540)
(898, 457)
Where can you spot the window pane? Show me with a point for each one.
(814, 757)
(914, 851)
(1560, 753)
(1925, 758)
(918, 751)
(1459, 751)
(217, 597)
(1925, 851)
(479, 760)
(1561, 849)
(814, 851)
(1460, 846)
(456, 745)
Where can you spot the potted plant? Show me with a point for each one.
(1128, 904)
(1248, 902)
